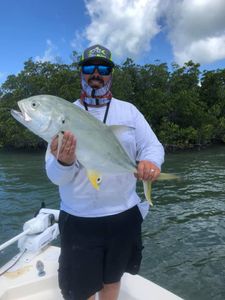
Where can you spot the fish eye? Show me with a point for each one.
(63, 121)
(34, 104)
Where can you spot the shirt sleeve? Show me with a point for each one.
(148, 146)
(59, 174)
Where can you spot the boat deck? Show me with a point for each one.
(22, 282)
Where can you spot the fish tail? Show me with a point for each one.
(148, 190)
(168, 176)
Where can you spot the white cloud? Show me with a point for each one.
(126, 26)
(205, 51)
(196, 29)
(50, 53)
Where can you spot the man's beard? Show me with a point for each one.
(95, 78)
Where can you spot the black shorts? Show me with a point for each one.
(97, 251)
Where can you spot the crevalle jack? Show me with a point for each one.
(98, 148)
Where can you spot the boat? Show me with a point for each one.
(32, 273)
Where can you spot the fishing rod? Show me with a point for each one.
(14, 239)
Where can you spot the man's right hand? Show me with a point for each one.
(66, 154)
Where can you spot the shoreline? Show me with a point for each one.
(169, 148)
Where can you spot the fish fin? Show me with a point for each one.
(95, 178)
(148, 190)
(119, 129)
(167, 176)
(60, 138)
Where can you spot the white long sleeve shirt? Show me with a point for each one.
(117, 193)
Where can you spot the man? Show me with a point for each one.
(100, 240)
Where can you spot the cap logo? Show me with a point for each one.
(97, 52)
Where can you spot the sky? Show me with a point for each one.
(145, 30)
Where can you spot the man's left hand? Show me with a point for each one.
(146, 170)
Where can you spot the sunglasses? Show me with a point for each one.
(102, 70)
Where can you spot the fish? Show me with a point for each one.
(98, 149)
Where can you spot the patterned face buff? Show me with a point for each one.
(95, 96)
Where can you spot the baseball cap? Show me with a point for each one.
(96, 52)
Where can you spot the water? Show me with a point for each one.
(23, 187)
(184, 234)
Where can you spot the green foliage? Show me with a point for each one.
(184, 107)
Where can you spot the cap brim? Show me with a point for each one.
(104, 60)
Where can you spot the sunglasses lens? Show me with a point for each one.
(88, 69)
(102, 70)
